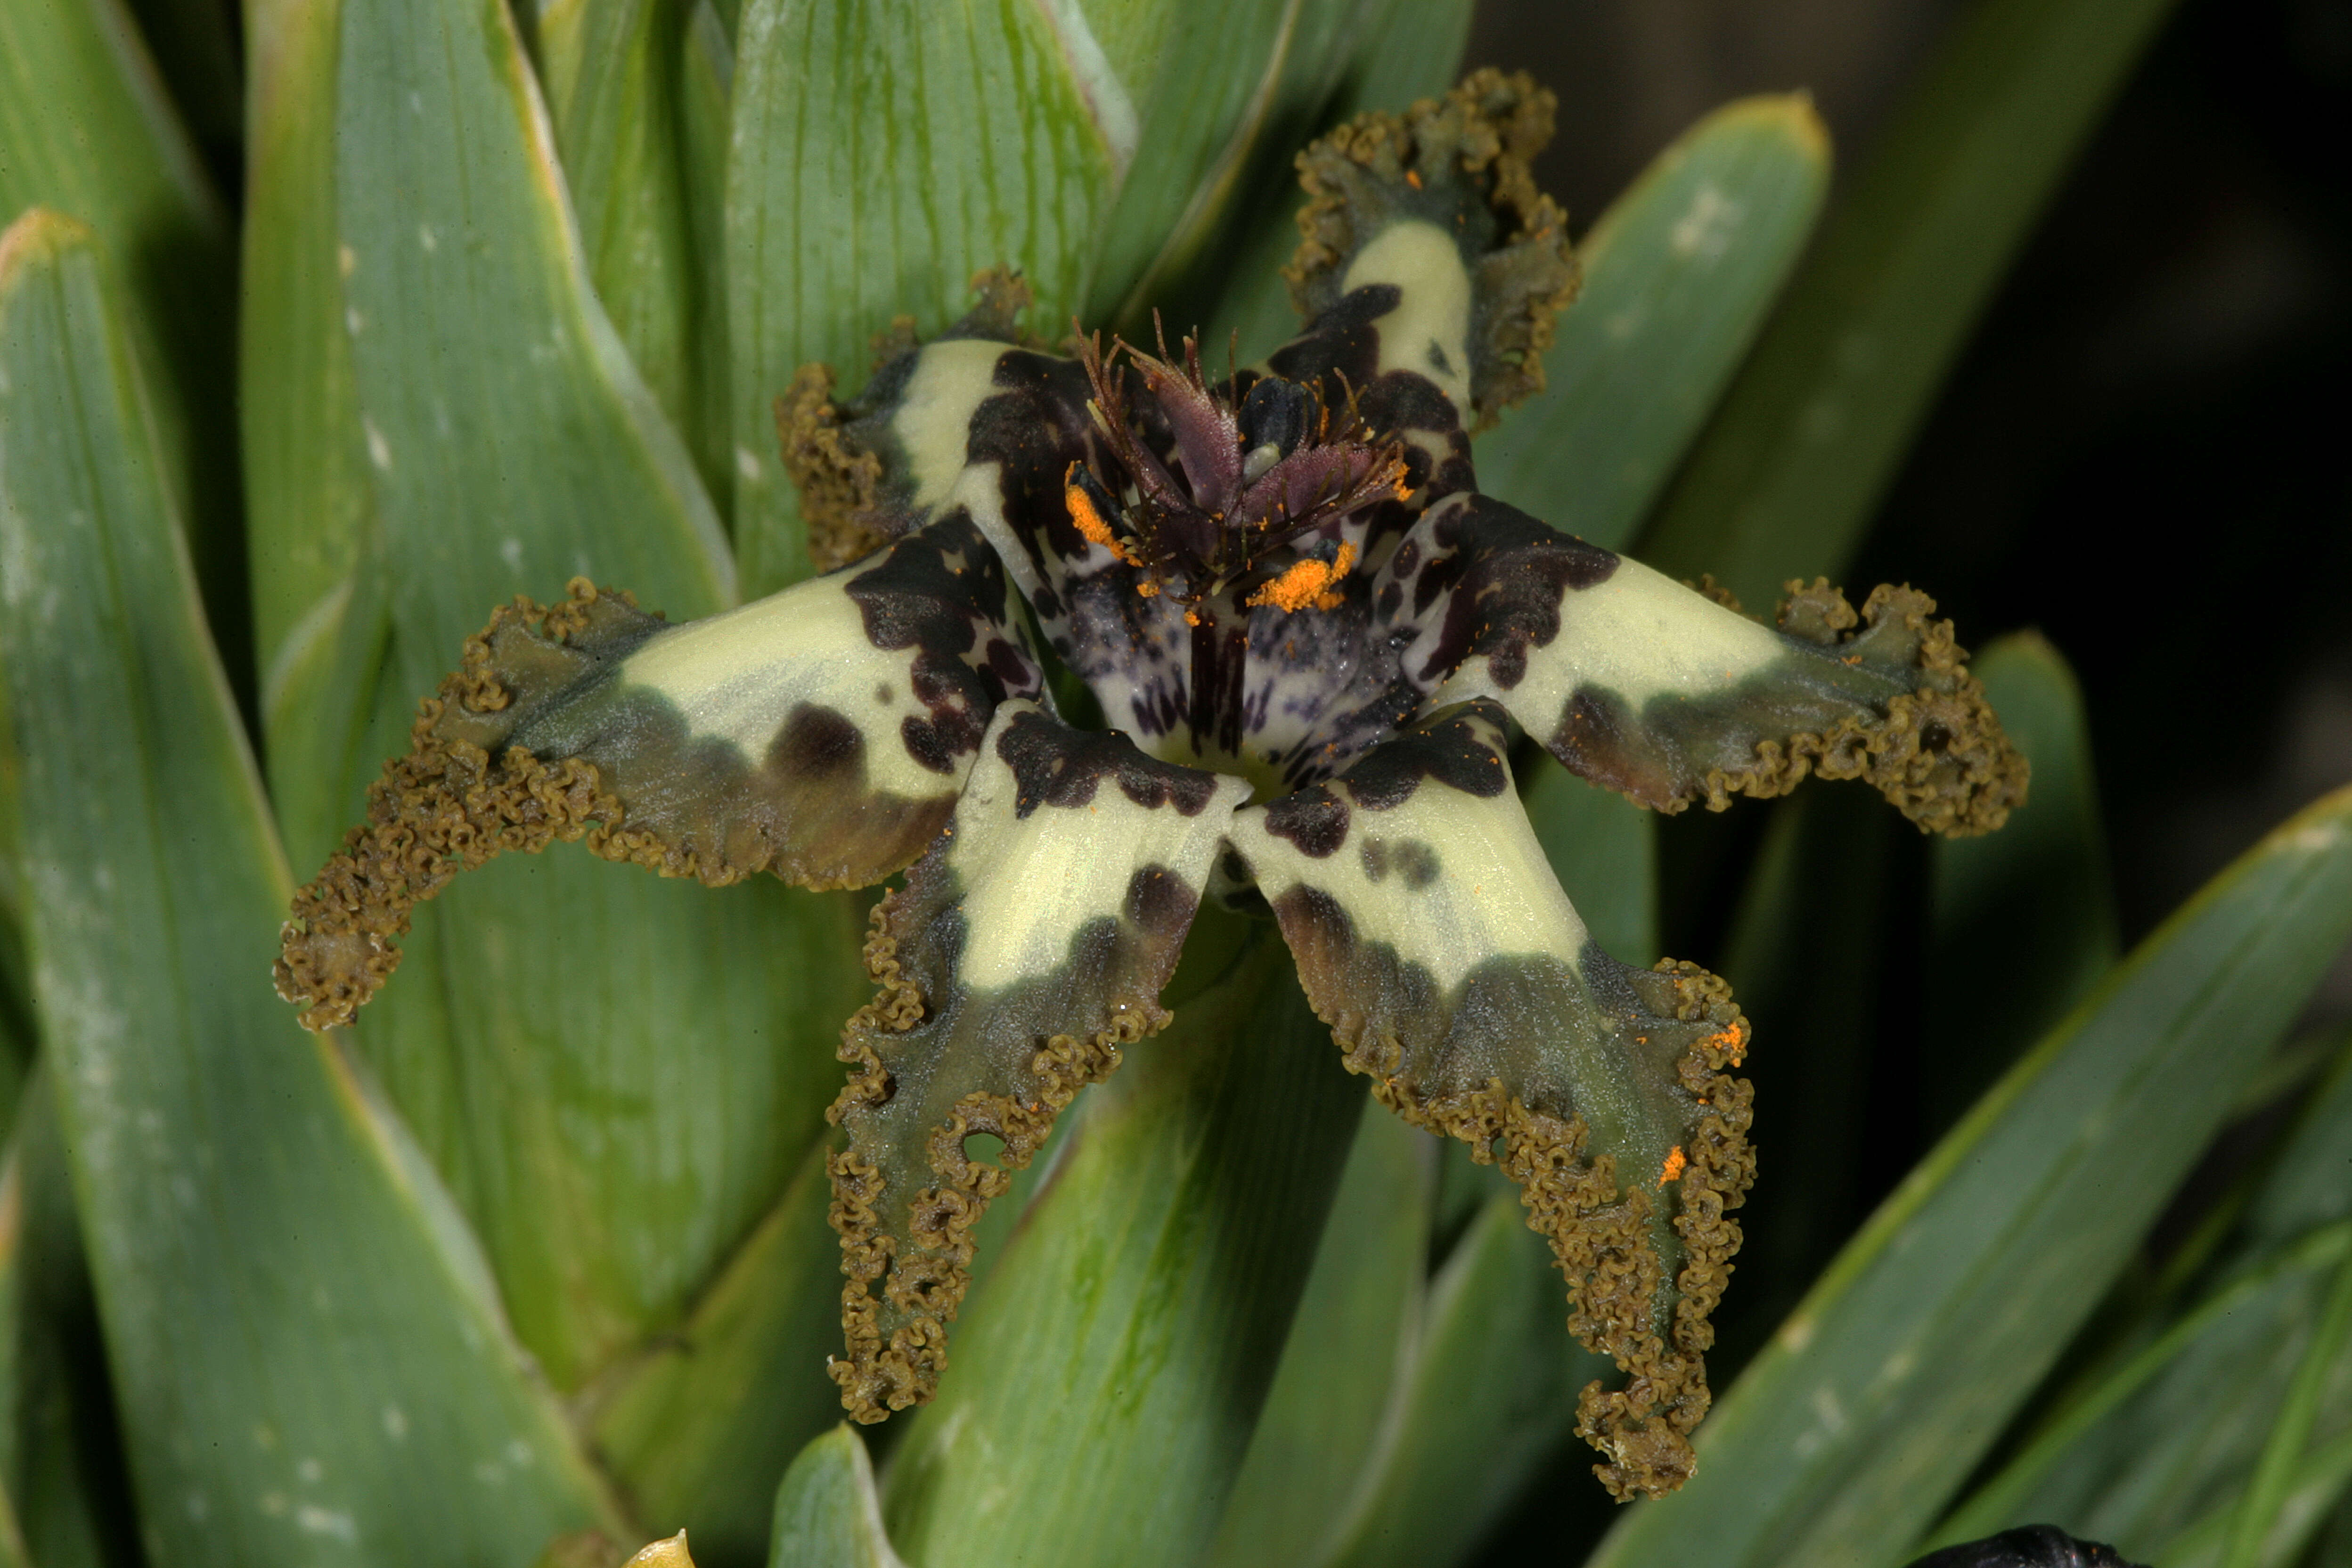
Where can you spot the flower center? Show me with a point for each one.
(1253, 492)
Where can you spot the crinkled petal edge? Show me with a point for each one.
(1598, 1233)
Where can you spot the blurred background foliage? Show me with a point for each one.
(2056, 1220)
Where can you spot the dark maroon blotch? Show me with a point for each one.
(1313, 820)
(1159, 903)
(1054, 765)
(817, 743)
(1457, 750)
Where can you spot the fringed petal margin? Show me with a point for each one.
(865, 477)
(1027, 947)
(1427, 249)
(822, 733)
(1434, 939)
(1667, 696)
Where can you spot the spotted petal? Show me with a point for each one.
(1027, 948)
(1430, 263)
(823, 733)
(1432, 937)
(1660, 693)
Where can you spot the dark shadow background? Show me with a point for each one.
(2143, 453)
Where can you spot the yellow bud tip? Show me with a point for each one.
(1676, 1164)
(670, 1553)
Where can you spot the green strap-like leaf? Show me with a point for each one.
(311, 509)
(826, 1515)
(1491, 1394)
(15, 977)
(2032, 903)
(307, 1366)
(705, 91)
(885, 150)
(2202, 1355)
(1210, 86)
(1791, 470)
(1358, 1323)
(1103, 1380)
(496, 440)
(617, 75)
(2160, 1451)
(60, 1470)
(1679, 274)
(88, 130)
(1240, 87)
(1877, 1395)
(1808, 941)
(1373, 57)
(703, 1427)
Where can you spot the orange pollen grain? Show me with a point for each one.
(1676, 1164)
(1732, 1043)
(1090, 521)
(1305, 583)
(1413, 178)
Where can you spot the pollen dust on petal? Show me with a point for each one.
(1676, 1160)
(1305, 583)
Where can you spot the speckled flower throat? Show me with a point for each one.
(1313, 641)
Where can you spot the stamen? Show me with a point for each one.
(1306, 583)
(1088, 517)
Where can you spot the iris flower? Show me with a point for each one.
(1312, 641)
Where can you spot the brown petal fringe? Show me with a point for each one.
(839, 481)
(1598, 1233)
(839, 478)
(449, 806)
(927, 1281)
(1000, 295)
(1939, 754)
(1491, 124)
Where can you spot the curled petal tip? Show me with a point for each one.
(1459, 165)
